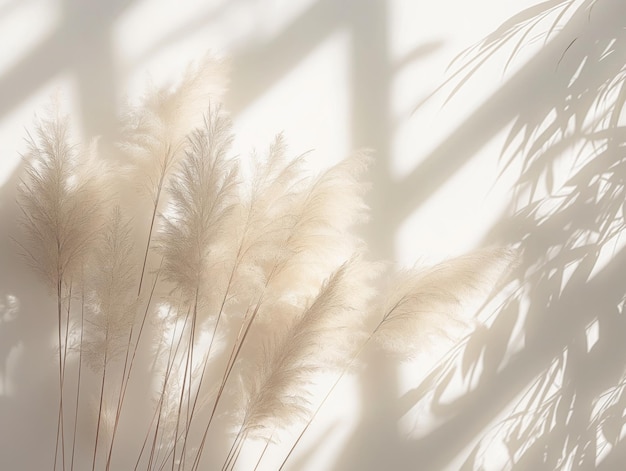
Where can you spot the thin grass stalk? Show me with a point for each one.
(190, 362)
(181, 463)
(156, 435)
(330, 391)
(238, 452)
(104, 373)
(208, 354)
(306, 427)
(386, 316)
(233, 448)
(67, 328)
(127, 372)
(180, 405)
(245, 328)
(267, 444)
(166, 459)
(157, 198)
(80, 366)
(193, 407)
(156, 415)
(167, 456)
(67, 333)
(125, 377)
(159, 409)
(168, 370)
(60, 427)
(182, 390)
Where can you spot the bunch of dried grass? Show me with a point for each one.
(267, 263)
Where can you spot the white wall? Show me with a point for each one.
(334, 76)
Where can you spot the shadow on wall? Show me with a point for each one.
(548, 374)
(575, 388)
(29, 395)
(81, 44)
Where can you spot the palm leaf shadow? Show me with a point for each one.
(561, 394)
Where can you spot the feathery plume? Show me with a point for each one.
(309, 238)
(265, 218)
(424, 303)
(111, 302)
(318, 236)
(325, 337)
(202, 194)
(194, 237)
(155, 131)
(277, 252)
(60, 201)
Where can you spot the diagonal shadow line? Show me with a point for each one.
(480, 406)
(63, 48)
(33, 70)
(531, 85)
(615, 459)
(310, 454)
(418, 52)
(196, 24)
(258, 68)
(80, 45)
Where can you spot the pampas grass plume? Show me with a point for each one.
(425, 305)
(155, 130)
(324, 338)
(60, 202)
(203, 193)
(274, 252)
(111, 299)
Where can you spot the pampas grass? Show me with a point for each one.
(264, 262)
(424, 304)
(111, 303)
(59, 199)
(321, 338)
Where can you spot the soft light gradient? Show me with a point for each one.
(335, 76)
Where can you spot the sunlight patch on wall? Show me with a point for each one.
(271, 16)
(39, 19)
(146, 23)
(425, 36)
(309, 105)
(462, 211)
(7, 388)
(175, 35)
(592, 332)
(333, 427)
(609, 415)
(517, 427)
(9, 309)
(182, 32)
(14, 124)
(33, 21)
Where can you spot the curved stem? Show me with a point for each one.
(95, 448)
(80, 365)
(60, 426)
(332, 388)
(267, 443)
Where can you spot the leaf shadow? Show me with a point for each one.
(550, 383)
